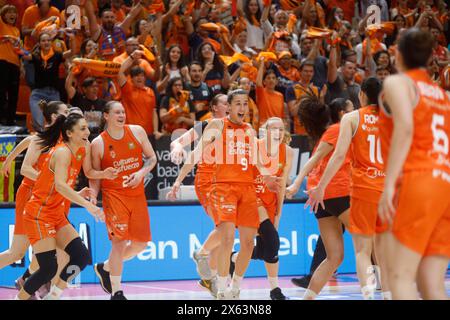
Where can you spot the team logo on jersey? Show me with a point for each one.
(131, 145)
(79, 157)
(112, 153)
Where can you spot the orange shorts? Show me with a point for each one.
(203, 186)
(126, 217)
(364, 218)
(235, 203)
(41, 224)
(270, 204)
(22, 196)
(422, 219)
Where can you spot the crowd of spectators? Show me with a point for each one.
(166, 60)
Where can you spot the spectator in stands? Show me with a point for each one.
(110, 36)
(382, 73)
(270, 102)
(286, 72)
(251, 11)
(215, 74)
(310, 50)
(138, 100)
(9, 64)
(297, 91)
(200, 94)
(46, 63)
(173, 66)
(88, 100)
(176, 111)
(34, 14)
(131, 45)
(341, 85)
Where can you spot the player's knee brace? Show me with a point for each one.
(79, 259)
(258, 250)
(270, 240)
(48, 266)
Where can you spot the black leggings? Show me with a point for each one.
(9, 90)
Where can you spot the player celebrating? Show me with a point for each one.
(127, 219)
(315, 117)
(206, 257)
(359, 132)
(277, 156)
(415, 126)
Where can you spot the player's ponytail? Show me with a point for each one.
(49, 108)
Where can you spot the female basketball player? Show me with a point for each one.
(315, 117)
(45, 219)
(206, 257)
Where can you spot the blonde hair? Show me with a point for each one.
(265, 127)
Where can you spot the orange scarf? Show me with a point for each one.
(255, 22)
(46, 57)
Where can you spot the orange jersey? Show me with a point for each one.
(429, 149)
(234, 153)
(366, 160)
(277, 162)
(339, 186)
(125, 155)
(44, 196)
(38, 167)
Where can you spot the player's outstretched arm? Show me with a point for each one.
(337, 159)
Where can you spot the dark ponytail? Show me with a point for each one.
(49, 137)
(337, 106)
(49, 108)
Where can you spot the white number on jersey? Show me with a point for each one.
(374, 149)
(440, 143)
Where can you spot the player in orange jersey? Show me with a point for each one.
(206, 257)
(233, 194)
(124, 148)
(20, 241)
(415, 128)
(45, 219)
(316, 117)
(359, 133)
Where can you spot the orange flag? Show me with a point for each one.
(268, 56)
(318, 33)
(385, 27)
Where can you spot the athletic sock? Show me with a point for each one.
(26, 274)
(273, 282)
(387, 295)
(368, 292)
(221, 283)
(214, 272)
(54, 294)
(309, 295)
(236, 282)
(106, 265)
(115, 283)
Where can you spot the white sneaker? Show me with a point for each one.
(233, 294)
(220, 295)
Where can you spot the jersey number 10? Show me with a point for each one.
(374, 149)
